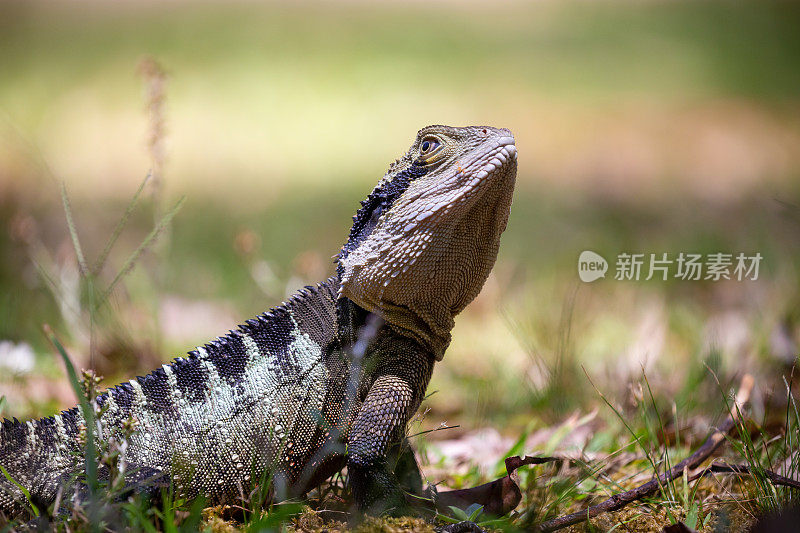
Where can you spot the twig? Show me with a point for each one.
(724, 468)
(440, 428)
(618, 501)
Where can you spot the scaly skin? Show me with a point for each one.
(329, 378)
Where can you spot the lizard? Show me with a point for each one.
(328, 379)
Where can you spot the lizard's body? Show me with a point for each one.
(329, 378)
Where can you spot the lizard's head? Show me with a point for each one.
(425, 239)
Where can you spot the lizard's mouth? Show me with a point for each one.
(495, 161)
(499, 157)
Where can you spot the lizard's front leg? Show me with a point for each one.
(394, 396)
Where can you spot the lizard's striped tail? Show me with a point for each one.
(13, 444)
(35, 455)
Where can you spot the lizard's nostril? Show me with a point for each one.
(484, 132)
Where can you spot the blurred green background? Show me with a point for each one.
(644, 127)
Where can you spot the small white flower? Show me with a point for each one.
(17, 358)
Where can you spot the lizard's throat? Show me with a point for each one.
(400, 290)
(417, 279)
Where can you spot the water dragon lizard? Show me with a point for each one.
(329, 378)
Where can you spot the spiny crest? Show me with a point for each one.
(378, 202)
(393, 166)
(9, 424)
(13, 430)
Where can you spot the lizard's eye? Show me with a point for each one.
(428, 146)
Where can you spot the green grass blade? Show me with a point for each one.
(667, 463)
(691, 516)
(90, 459)
(622, 419)
(25, 492)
